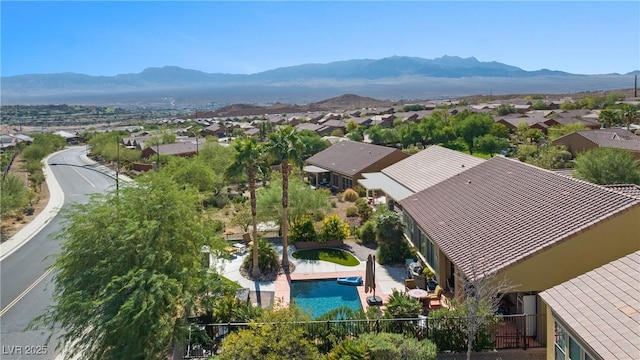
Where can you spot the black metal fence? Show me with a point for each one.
(498, 332)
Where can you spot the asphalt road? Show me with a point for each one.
(26, 285)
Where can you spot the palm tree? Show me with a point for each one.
(248, 160)
(287, 148)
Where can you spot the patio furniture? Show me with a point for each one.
(240, 248)
(409, 284)
(418, 293)
(436, 296)
(351, 280)
(421, 282)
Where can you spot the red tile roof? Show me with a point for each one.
(602, 308)
(502, 211)
(350, 157)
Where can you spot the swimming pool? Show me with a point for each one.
(317, 297)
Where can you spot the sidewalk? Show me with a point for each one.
(56, 200)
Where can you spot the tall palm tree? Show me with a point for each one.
(287, 148)
(248, 160)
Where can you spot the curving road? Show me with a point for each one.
(26, 285)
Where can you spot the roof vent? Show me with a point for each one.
(468, 181)
(462, 165)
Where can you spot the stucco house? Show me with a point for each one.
(417, 172)
(534, 227)
(597, 314)
(177, 149)
(581, 141)
(341, 165)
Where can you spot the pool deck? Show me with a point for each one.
(387, 278)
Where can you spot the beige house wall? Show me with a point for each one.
(593, 247)
(575, 143)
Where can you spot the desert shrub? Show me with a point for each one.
(217, 225)
(448, 331)
(362, 192)
(352, 211)
(349, 349)
(239, 199)
(350, 195)
(368, 232)
(217, 201)
(386, 346)
(333, 228)
(303, 230)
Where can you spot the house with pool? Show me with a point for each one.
(535, 227)
(339, 166)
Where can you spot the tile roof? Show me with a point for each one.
(429, 167)
(628, 189)
(350, 157)
(602, 307)
(613, 138)
(504, 211)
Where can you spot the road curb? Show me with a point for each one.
(56, 200)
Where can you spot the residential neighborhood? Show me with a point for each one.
(475, 196)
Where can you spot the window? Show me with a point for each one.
(567, 347)
(335, 180)
(408, 225)
(575, 351)
(347, 183)
(560, 341)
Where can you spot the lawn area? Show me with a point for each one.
(335, 256)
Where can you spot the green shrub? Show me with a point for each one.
(368, 232)
(364, 210)
(352, 211)
(350, 195)
(349, 349)
(447, 331)
(362, 192)
(267, 257)
(385, 346)
(217, 225)
(303, 230)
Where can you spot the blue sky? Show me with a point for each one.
(240, 37)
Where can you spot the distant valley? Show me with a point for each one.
(395, 78)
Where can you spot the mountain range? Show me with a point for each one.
(392, 78)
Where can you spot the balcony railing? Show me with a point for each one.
(499, 332)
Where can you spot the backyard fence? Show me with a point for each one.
(499, 332)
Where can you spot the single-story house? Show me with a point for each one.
(342, 164)
(317, 128)
(70, 138)
(534, 227)
(417, 172)
(177, 149)
(580, 141)
(597, 314)
(215, 130)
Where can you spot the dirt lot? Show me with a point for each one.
(10, 225)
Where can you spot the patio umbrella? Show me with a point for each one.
(370, 281)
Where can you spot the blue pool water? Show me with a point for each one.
(320, 296)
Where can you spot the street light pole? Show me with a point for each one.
(197, 141)
(118, 168)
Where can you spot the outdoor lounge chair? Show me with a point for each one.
(437, 294)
